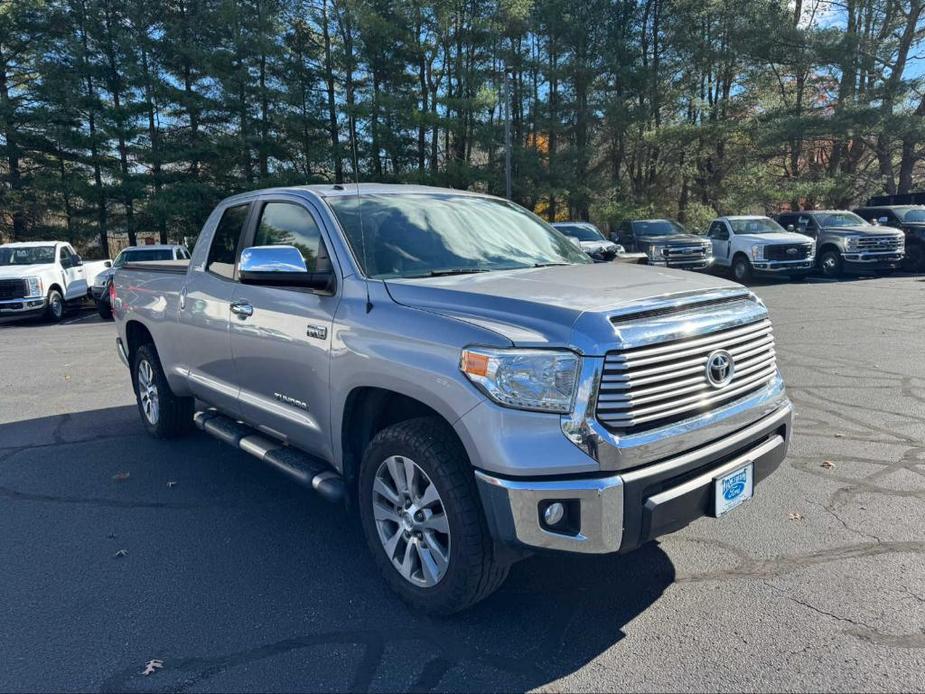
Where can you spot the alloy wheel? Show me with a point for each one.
(147, 391)
(411, 521)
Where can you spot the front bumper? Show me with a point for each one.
(29, 304)
(617, 513)
(783, 266)
(873, 261)
(699, 264)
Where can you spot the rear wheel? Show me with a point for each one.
(830, 263)
(741, 269)
(103, 309)
(422, 518)
(164, 414)
(54, 306)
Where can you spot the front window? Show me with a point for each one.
(27, 255)
(839, 219)
(755, 225)
(582, 233)
(915, 216)
(658, 227)
(421, 235)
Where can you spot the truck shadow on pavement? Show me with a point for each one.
(252, 583)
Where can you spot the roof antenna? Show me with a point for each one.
(356, 183)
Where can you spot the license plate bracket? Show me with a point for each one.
(733, 488)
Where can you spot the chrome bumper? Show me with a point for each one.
(25, 305)
(874, 257)
(617, 513)
(698, 264)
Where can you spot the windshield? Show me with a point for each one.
(658, 227)
(839, 219)
(582, 233)
(915, 215)
(27, 255)
(420, 235)
(755, 225)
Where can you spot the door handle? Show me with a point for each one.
(242, 309)
(183, 298)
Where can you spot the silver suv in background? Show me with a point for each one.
(590, 239)
(846, 241)
(470, 381)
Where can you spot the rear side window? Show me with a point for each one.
(222, 252)
(285, 224)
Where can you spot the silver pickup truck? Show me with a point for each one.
(459, 373)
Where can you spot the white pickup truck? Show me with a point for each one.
(43, 277)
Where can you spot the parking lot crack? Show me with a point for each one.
(818, 610)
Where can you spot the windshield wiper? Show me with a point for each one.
(448, 271)
(549, 264)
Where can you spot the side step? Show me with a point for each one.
(301, 467)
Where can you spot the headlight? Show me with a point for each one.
(708, 248)
(35, 286)
(851, 244)
(526, 379)
(757, 252)
(618, 249)
(655, 253)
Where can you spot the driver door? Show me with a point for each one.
(722, 243)
(75, 281)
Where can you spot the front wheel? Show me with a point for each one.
(741, 269)
(54, 306)
(830, 263)
(914, 261)
(422, 518)
(164, 414)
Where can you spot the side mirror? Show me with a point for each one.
(107, 263)
(78, 261)
(790, 227)
(281, 266)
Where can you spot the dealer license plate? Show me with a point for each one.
(732, 489)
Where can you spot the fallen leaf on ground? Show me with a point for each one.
(120, 553)
(152, 666)
(828, 465)
(171, 484)
(839, 436)
(120, 476)
(795, 516)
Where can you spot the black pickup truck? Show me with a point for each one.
(665, 242)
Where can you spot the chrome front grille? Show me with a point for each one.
(646, 387)
(880, 243)
(692, 252)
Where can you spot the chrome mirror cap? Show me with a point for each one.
(272, 259)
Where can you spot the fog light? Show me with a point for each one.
(554, 513)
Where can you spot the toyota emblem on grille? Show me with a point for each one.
(720, 368)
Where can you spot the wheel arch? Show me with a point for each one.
(136, 334)
(367, 411)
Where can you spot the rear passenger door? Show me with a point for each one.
(281, 336)
(204, 309)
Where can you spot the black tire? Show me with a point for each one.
(174, 415)
(831, 264)
(473, 572)
(54, 306)
(104, 310)
(914, 261)
(741, 269)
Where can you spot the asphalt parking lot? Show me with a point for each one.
(116, 549)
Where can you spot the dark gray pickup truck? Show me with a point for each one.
(459, 373)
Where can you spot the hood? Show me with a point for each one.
(869, 230)
(100, 278)
(776, 237)
(539, 307)
(673, 240)
(10, 272)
